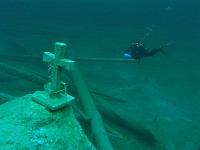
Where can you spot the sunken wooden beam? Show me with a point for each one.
(22, 74)
(35, 57)
(20, 57)
(97, 125)
(104, 60)
(130, 123)
(6, 98)
(83, 115)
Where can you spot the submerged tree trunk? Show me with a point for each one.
(136, 127)
(26, 75)
(97, 125)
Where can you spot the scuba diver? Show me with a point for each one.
(138, 51)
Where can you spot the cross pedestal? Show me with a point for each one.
(55, 95)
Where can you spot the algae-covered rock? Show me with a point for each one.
(25, 124)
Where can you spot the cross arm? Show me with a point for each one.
(48, 57)
(67, 64)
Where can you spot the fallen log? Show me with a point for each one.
(97, 125)
(26, 75)
(84, 116)
(6, 98)
(21, 57)
(136, 127)
(36, 57)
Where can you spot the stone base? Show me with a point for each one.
(52, 103)
(26, 125)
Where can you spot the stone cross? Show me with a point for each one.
(55, 95)
(59, 63)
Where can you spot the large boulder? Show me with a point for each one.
(25, 124)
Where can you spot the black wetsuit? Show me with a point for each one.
(138, 51)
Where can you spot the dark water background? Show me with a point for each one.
(94, 28)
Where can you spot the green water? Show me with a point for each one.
(167, 88)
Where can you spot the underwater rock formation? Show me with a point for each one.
(27, 125)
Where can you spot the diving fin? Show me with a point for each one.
(163, 52)
(165, 46)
